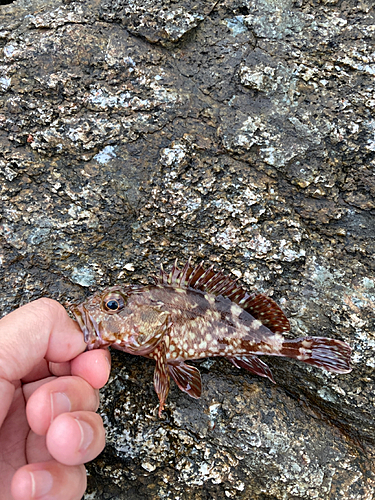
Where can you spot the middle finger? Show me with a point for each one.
(61, 395)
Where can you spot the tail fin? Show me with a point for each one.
(330, 354)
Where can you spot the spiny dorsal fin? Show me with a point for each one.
(260, 306)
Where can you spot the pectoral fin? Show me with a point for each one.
(253, 364)
(187, 378)
(147, 339)
(161, 375)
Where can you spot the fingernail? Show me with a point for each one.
(41, 483)
(87, 435)
(60, 403)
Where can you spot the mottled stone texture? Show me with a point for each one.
(241, 132)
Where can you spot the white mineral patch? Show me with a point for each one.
(38, 235)
(105, 155)
(236, 25)
(236, 272)
(173, 155)
(227, 238)
(148, 466)
(91, 496)
(288, 254)
(5, 83)
(366, 68)
(83, 276)
(129, 60)
(260, 77)
(226, 206)
(273, 19)
(338, 389)
(327, 395)
(250, 197)
(129, 266)
(9, 50)
(8, 173)
(193, 203)
(246, 136)
(371, 142)
(99, 97)
(368, 284)
(259, 244)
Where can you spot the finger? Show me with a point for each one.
(36, 449)
(38, 372)
(29, 389)
(76, 438)
(7, 391)
(60, 369)
(37, 330)
(61, 395)
(48, 480)
(93, 366)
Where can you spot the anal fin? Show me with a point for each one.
(187, 378)
(252, 364)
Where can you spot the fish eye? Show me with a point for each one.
(113, 303)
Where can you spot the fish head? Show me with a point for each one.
(120, 317)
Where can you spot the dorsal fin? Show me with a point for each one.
(267, 311)
(260, 306)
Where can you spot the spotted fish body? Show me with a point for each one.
(192, 313)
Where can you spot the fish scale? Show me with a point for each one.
(192, 313)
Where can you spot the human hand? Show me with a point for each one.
(48, 398)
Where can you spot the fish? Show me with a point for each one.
(191, 313)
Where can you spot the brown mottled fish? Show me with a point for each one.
(191, 313)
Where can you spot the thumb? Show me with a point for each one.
(40, 329)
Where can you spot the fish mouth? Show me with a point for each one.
(90, 328)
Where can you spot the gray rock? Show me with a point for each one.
(132, 133)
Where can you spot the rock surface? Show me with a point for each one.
(240, 132)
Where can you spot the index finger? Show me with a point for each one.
(40, 329)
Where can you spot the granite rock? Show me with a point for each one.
(238, 132)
